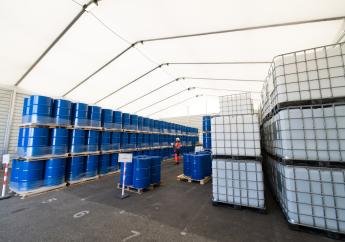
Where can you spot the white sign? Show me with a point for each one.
(6, 159)
(125, 157)
(198, 148)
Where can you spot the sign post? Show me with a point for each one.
(124, 158)
(5, 161)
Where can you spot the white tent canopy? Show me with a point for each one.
(103, 32)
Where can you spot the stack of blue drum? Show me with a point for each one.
(206, 136)
(198, 165)
(54, 129)
(142, 172)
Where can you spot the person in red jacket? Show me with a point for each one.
(177, 150)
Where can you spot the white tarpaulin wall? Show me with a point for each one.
(29, 27)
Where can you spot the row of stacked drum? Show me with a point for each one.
(197, 165)
(206, 132)
(143, 171)
(30, 175)
(46, 111)
(303, 131)
(38, 141)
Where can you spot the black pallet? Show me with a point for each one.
(239, 207)
(317, 231)
(256, 158)
(297, 104)
(308, 163)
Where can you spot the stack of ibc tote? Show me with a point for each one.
(303, 129)
(236, 167)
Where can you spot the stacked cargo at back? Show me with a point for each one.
(303, 127)
(236, 166)
(206, 132)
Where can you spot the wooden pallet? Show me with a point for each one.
(239, 207)
(82, 180)
(85, 153)
(317, 231)
(86, 127)
(43, 157)
(38, 191)
(51, 125)
(110, 173)
(182, 177)
(138, 190)
(110, 151)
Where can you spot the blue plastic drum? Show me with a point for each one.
(107, 118)
(75, 168)
(114, 164)
(206, 123)
(126, 121)
(156, 169)
(146, 124)
(91, 165)
(141, 172)
(94, 116)
(132, 140)
(104, 164)
(62, 110)
(77, 139)
(117, 120)
(30, 174)
(14, 175)
(40, 109)
(58, 141)
(105, 142)
(92, 140)
(140, 123)
(124, 140)
(54, 172)
(197, 167)
(133, 122)
(33, 142)
(79, 114)
(115, 140)
(186, 165)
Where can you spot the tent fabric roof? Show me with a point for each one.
(29, 27)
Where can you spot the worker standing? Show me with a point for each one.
(177, 150)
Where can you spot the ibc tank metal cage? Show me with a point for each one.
(312, 74)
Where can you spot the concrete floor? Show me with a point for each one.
(176, 211)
